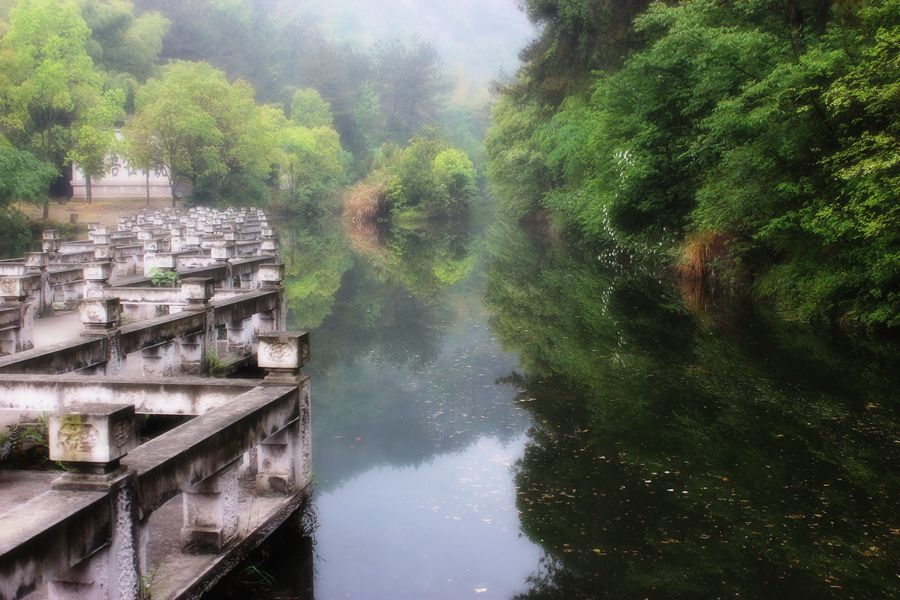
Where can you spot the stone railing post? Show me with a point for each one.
(96, 279)
(268, 246)
(50, 241)
(239, 335)
(39, 262)
(194, 349)
(101, 317)
(158, 360)
(283, 460)
(271, 277)
(91, 440)
(211, 512)
(14, 293)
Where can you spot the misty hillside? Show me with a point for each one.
(480, 36)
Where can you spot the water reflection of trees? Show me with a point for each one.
(671, 460)
(316, 257)
(403, 370)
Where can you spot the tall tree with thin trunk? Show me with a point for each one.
(172, 130)
(94, 140)
(49, 84)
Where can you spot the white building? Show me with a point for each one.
(123, 181)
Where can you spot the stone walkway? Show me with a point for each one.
(61, 327)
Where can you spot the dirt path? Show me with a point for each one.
(102, 210)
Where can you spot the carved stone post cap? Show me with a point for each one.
(104, 312)
(222, 250)
(97, 271)
(50, 234)
(97, 434)
(37, 260)
(104, 251)
(283, 350)
(13, 287)
(198, 290)
(271, 273)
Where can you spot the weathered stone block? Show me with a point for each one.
(268, 246)
(283, 351)
(271, 273)
(198, 291)
(97, 271)
(104, 251)
(37, 260)
(210, 511)
(222, 250)
(12, 288)
(100, 313)
(92, 433)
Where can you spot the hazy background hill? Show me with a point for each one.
(475, 38)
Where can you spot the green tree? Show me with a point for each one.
(198, 126)
(411, 86)
(25, 177)
(455, 176)
(767, 129)
(125, 46)
(94, 139)
(50, 84)
(310, 110)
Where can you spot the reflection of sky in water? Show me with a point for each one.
(414, 437)
(370, 413)
(445, 529)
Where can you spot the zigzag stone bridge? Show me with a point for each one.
(168, 516)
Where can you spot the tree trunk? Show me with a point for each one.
(87, 187)
(148, 186)
(46, 207)
(172, 184)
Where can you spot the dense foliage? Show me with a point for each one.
(385, 92)
(768, 132)
(280, 114)
(428, 178)
(671, 446)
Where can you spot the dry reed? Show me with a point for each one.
(699, 254)
(367, 200)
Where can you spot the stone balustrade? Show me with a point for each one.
(228, 246)
(87, 534)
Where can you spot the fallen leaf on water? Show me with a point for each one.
(480, 590)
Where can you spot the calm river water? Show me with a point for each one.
(498, 416)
